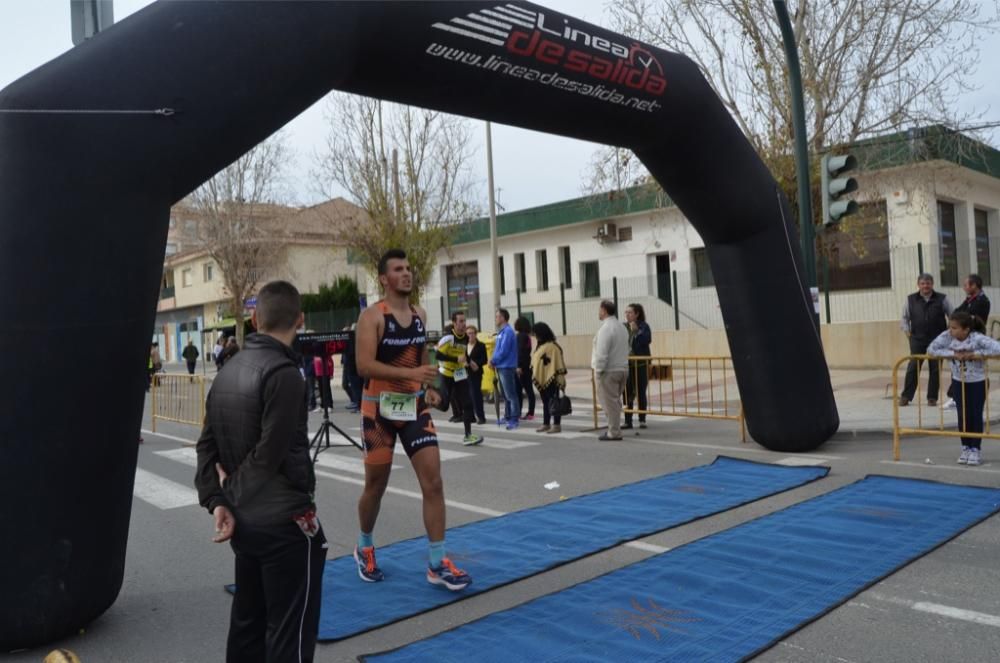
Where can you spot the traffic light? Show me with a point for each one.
(834, 187)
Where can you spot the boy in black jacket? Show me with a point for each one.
(256, 478)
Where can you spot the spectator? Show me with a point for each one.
(524, 383)
(477, 360)
(504, 362)
(640, 337)
(256, 478)
(548, 369)
(155, 364)
(963, 340)
(610, 363)
(191, 355)
(976, 303)
(924, 318)
(309, 374)
(353, 383)
(232, 347)
(217, 351)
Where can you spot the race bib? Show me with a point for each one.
(461, 374)
(397, 407)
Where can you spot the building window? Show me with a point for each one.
(983, 267)
(186, 277)
(625, 234)
(208, 271)
(701, 270)
(520, 277)
(565, 267)
(590, 276)
(857, 250)
(503, 276)
(463, 289)
(948, 243)
(542, 265)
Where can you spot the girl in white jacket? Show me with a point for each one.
(961, 342)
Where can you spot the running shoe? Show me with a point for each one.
(964, 458)
(367, 569)
(470, 440)
(448, 575)
(974, 457)
(512, 424)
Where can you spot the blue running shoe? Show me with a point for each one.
(367, 569)
(448, 575)
(512, 424)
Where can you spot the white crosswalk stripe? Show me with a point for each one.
(492, 442)
(162, 493)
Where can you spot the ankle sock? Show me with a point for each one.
(365, 540)
(435, 553)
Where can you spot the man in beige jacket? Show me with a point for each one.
(610, 363)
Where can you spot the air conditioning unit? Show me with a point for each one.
(607, 232)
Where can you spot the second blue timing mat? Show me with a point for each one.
(502, 550)
(728, 596)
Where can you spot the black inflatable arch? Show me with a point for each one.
(85, 199)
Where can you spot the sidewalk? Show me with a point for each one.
(864, 402)
(864, 399)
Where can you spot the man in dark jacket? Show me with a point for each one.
(191, 355)
(976, 303)
(925, 316)
(256, 478)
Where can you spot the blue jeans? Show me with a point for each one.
(511, 395)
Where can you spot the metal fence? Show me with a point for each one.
(179, 398)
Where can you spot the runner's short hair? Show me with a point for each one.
(391, 254)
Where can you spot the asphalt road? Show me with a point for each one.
(172, 607)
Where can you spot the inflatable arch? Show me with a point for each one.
(100, 142)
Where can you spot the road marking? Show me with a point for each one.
(942, 610)
(489, 441)
(414, 495)
(648, 547)
(345, 463)
(956, 466)
(185, 455)
(168, 437)
(800, 461)
(162, 493)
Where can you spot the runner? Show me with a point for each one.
(390, 357)
(453, 360)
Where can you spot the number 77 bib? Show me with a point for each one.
(397, 407)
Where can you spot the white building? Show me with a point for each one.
(930, 201)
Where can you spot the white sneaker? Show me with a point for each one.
(964, 458)
(949, 404)
(974, 457)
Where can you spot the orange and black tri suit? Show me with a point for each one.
(403, 347)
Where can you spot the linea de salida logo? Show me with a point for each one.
(530, 33)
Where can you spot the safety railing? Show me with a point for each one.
(697, 387)
(963, 395)
(178, 398)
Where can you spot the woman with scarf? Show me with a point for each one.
(548, 372)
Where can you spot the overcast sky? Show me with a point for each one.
(33, 32)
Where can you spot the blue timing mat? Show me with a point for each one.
(501, 550)
(731, 595)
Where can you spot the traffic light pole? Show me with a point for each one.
(806, 228)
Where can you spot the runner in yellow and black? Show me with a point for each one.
(453, 360)
(391, 341)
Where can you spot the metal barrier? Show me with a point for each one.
(178, 398)
(899, 431)
(689, 379)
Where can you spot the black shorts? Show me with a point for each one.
(379, 434)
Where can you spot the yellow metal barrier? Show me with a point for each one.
(178, 398)
(944, 377)
(689, 379)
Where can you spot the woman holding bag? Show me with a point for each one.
(548, 370)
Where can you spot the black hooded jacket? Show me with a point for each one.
(256, 427)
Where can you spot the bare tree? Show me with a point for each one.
(408, 168)
(869, 67)
(237, 226)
